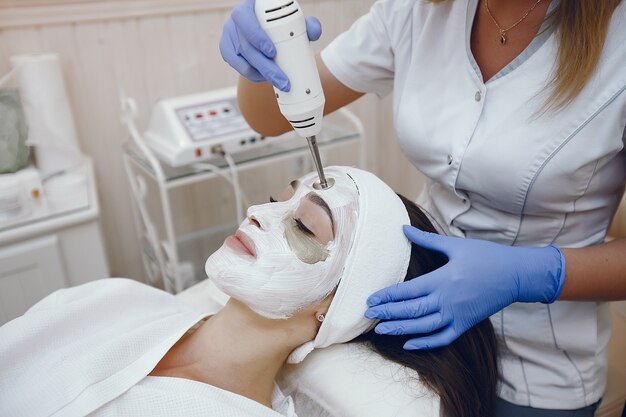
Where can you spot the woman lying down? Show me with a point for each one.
(298, 271)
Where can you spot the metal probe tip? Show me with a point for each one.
(319, 186)
(323, 183)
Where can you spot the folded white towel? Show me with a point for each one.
(379, 257)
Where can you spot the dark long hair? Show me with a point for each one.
(464, 374)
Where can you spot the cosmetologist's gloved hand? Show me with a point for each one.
(480, 279)
(248, 49)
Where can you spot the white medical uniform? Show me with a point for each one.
(88, 350)
(499, 170)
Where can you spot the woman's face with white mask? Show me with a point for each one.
(289, 254)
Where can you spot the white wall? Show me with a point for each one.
(153, 49)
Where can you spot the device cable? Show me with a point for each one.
(234, 173)
(241, 200)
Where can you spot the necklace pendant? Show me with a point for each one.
(502, 38)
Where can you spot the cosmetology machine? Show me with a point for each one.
(189, 142)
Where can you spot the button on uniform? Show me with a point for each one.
(450, 159)
(477, 96)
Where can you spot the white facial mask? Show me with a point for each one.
(288, 272)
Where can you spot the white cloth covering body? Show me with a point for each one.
(499, 171)
(89, 349)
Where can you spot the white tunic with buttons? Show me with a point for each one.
(500, 170)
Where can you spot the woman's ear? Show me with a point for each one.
(322, 308)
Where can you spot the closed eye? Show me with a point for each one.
(303, 228)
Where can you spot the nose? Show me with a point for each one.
(254, 221)
(268, 216)
(262, 215)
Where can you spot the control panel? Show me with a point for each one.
(213, 119)
(188, 129)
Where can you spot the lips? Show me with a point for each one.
(246, 241)
(241, 243)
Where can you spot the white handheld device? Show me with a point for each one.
(303, 105)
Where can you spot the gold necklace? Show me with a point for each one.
(500, 28)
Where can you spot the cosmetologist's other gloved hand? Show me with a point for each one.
(248, 49)
(480, 279)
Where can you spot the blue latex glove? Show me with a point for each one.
(248, 49)
(480, 279)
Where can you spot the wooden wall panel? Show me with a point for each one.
(39, 3)
(618, 227)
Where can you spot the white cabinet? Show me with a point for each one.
(53, 250)
(28, 272)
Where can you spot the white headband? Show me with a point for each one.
(379, 257)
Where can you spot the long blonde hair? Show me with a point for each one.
(582, 26)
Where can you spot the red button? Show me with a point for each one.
(198, 152)
(198, 115)
(213, 113)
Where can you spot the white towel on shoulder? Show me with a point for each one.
(83, 347)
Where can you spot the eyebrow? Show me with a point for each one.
(316, 199)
